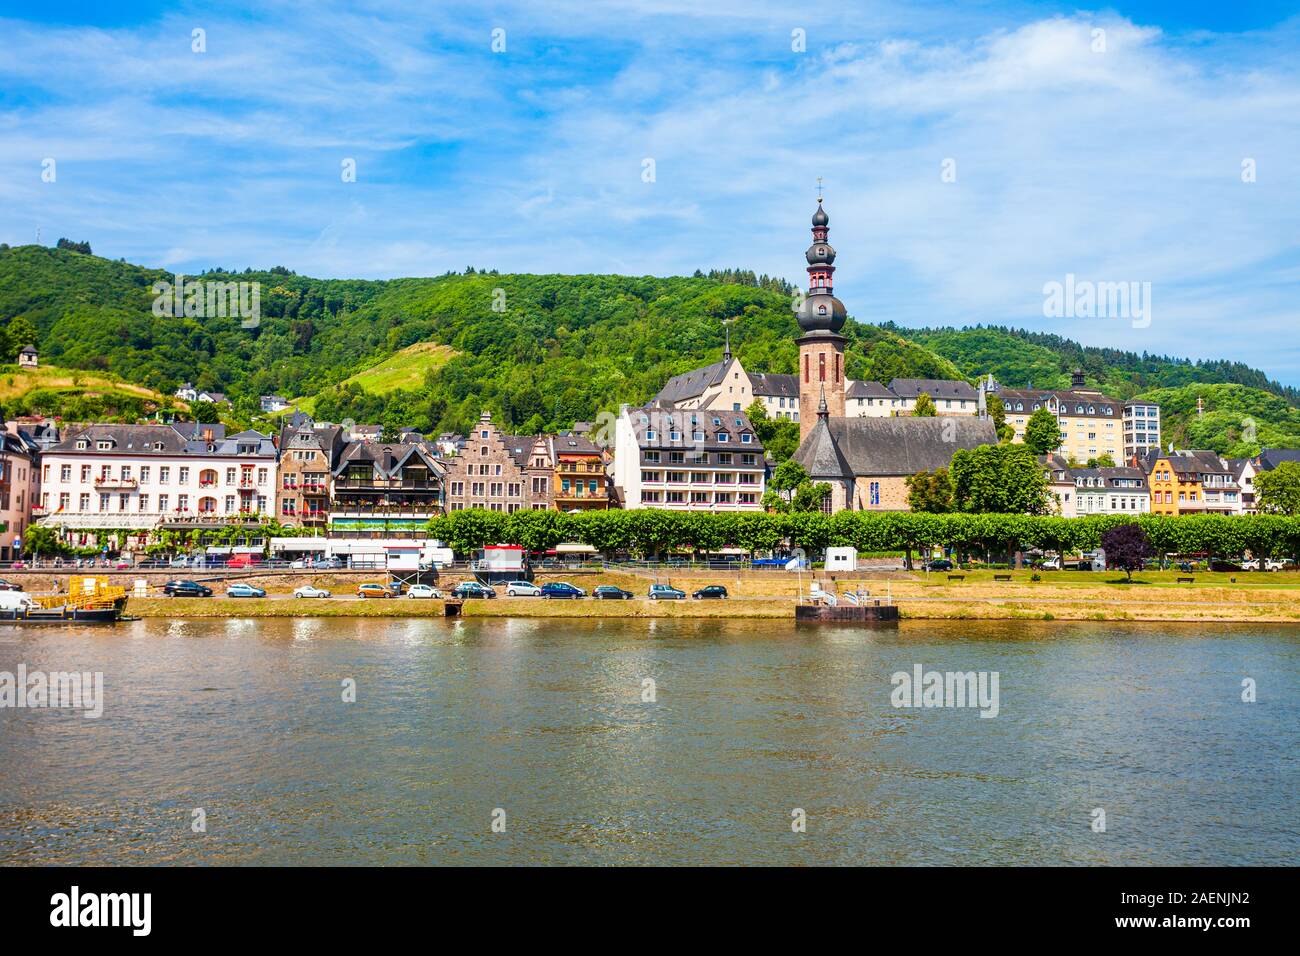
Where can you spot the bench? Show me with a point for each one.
(1187, 580)
(956, 577)
(1001, 577)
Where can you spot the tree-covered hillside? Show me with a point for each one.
(539, 351)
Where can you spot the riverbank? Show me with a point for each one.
(915, 600)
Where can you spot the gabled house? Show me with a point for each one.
(308, 455)
(501, 472)
(379, 486)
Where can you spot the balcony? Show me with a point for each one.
(385, 484)
(105, 483)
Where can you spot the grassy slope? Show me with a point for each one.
(404, 369)
(48, 388)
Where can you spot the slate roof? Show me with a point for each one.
(1270, 458)
(775, 385)
(894, 446)
(386, 458)
(664, 421)
(693, 383)
(936, 388)
(1109, 476)
(859, 389)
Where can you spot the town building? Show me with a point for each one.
(1092, 425)
(28, 358)
(1141, 429)
(1244, 471)
(1191, 482)
(272, 403)
(136, 479)
(687, 460)
(308, 456)
(1104, 491)
(949, 397)
(19, 487)
(501, 472)
(581, 482)
(727, 385)
(1059, 484)
(381, 487)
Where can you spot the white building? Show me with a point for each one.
(139, 478)
(687, 460)
(1141, 429)
(1110, 491)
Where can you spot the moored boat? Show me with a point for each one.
(88, 601)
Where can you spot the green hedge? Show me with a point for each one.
(651, 531)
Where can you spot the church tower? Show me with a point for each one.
(821, 347)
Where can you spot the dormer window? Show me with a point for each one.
(82, 445)
(697, 436)
(717, 421)
(723, 437)
(104, 445)
(674, 436)
(650, 435)
(746, 439)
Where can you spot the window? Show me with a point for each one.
(184, 476)
(746, 439)
(164, 475)
(65, 473)
(875, 492)
(144, 503)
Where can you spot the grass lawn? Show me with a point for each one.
(1250, 579)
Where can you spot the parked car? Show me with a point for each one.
(310, 591)
(710, 591)
(940, 564)
(244, 561)
(472, 589)
(666, 592)
(326, 564)
(562, 589)
(609, 592)
(186, 589)
(522, 589)
(1217, 565)
(374, 591)
(181, 561)
(424, 591)
(241, 590)
(1265, 564)
(10, 586)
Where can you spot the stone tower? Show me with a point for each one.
(821, 347)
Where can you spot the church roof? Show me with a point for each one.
(892, 446)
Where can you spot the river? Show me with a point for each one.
(498, 741)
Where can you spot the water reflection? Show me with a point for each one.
(746, 720)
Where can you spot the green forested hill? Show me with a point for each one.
(553, 350)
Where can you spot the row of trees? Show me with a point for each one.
(652, 531)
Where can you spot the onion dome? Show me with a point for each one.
(819, 217)
(820, 254)
(821, 312)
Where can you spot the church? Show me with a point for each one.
(865, 460)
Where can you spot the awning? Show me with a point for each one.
(574, 548)
(112, 522)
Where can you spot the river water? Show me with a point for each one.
(544, 728)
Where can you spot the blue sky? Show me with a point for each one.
(1116, 165)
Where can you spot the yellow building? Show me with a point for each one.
(1092, 424)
